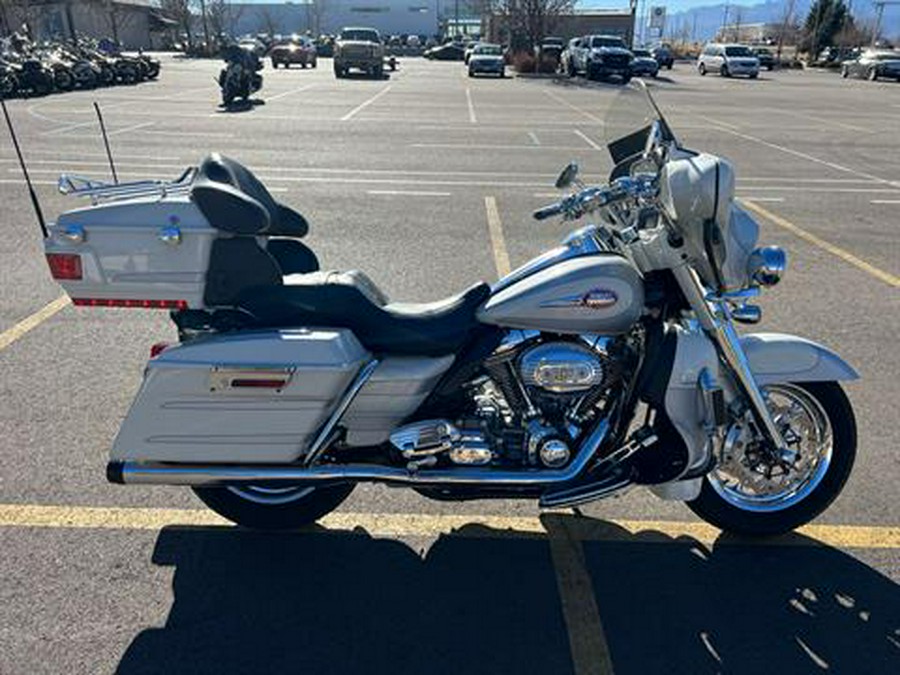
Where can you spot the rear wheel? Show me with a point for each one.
(723, 71)
(872, 74)
(274, 508)
(752, 493)
(845, 73)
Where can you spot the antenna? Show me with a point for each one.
(112, 166)
(34, 199)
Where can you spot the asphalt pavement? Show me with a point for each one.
(426, 180)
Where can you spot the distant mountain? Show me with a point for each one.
(703, 22)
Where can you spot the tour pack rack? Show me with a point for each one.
(101, 191)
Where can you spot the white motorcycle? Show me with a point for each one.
(608, 362)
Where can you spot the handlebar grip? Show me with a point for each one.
(548, 211)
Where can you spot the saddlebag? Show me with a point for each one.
(244, 398)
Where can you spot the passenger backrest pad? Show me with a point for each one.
(235, 265)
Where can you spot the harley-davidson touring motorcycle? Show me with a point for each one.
(240, 77)
(609, 362)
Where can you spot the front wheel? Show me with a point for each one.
(702, 69)
(274, 508)
(755, 494)
(872, 74)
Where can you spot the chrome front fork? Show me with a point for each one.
(715, 319)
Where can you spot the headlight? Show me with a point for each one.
(766, 265)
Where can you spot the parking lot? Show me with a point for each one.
(426, 180)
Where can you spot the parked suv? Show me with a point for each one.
(728, 60)
(664, 56)
(602, 57)
(293, 50)
(360, 48)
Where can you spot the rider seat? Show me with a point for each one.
(352, 300)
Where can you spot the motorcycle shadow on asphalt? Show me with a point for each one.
(240, 106)
(480, 600)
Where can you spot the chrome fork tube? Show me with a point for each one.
(716, 322)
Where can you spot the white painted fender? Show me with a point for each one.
(777, 357)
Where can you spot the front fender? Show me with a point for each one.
(777, 357)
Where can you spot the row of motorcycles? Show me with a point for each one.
(28, 69)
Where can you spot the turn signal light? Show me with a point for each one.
(158, 348)
(65, 266)
(138, 304)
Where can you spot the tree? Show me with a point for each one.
(267, 21)
(180, 12)
(825, 20)
(787, 20)
(223, 16)
(529, 21)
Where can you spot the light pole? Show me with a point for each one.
(879, 15)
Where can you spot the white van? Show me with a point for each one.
(728, 60)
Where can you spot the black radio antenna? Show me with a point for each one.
(34, 200)
(112, 166)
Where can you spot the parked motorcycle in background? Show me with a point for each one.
(240, 78)
(609, 362)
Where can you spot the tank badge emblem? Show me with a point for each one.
(599, 298)
(596, 298)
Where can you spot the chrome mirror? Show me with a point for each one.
(766, 265)
(645, 166)
(568, 176)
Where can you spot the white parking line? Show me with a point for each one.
(365, 104)
(885, 201)
(796, 153)
(827, 190)
(408, 193)
(472, 118)
(269, 99)
(534, 138)
(586, 139)
(768, 199)
(133, 127)
(572, 106)
(469, 146)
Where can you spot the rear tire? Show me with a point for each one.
(872, 75)
(761, 519)
(723, 71)
(263, 509)
(845, 73)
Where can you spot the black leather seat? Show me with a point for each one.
(351, 300)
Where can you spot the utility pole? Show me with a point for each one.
(879, 15)
(205, 25)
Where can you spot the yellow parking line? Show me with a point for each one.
(498, 243)
(425, 525)
(846, 256)
(587, 641)
(10, 335)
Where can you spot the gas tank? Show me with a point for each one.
(600, 293)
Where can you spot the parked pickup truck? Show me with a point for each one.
(359, 48)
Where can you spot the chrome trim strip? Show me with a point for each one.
(721, 331)
(157, 473)
(318, 446)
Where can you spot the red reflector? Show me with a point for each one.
(141, 304)
(65, 266)
(158, 348)
(259, 384)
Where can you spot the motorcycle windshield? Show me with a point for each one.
(628, 123)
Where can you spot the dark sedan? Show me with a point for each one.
(643, 64)
(765, 56)
(452, 51)
(873, 64)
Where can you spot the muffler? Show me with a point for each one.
(209, 475)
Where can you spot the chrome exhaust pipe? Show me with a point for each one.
(210, 475)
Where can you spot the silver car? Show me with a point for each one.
(728, 60)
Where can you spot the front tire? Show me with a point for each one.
(872, 75)
(702, 70)
(819, 417)
(260, 508)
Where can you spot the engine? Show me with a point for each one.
(529, 409)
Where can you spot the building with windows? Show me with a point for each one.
(133, 23)
(580, 22)
(390, 17)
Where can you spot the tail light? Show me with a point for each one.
(65, 266)
(137, 304)
(158, 348)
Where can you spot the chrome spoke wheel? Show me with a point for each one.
(271, 495)
(751, 478)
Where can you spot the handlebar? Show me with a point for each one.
(577, 205)
(548, 211)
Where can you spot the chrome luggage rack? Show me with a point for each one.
(100, 191)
